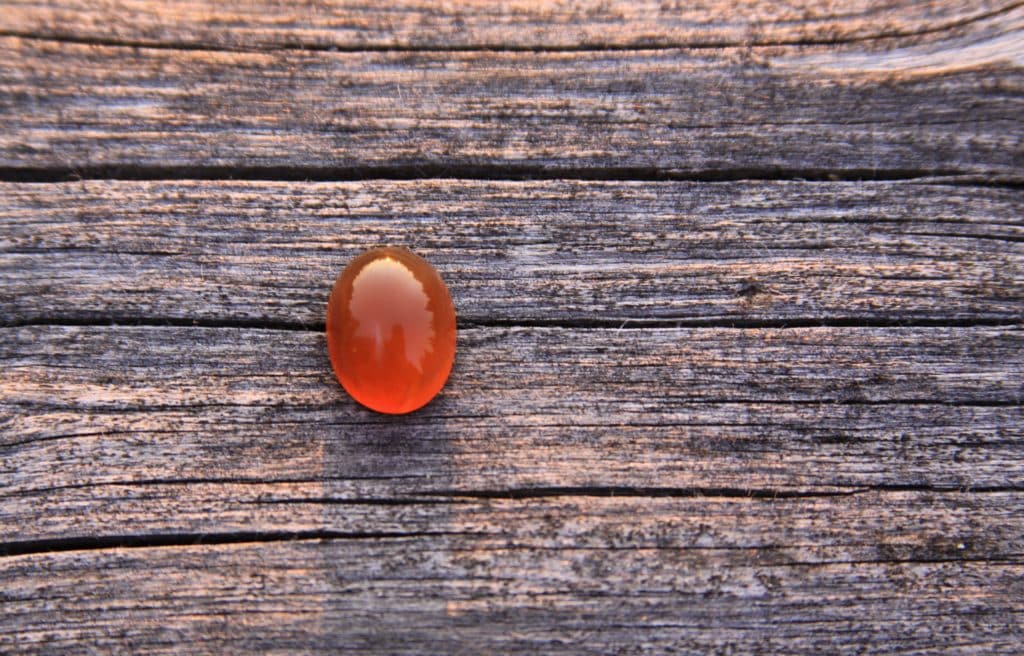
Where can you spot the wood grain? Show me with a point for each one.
(554, 252)
(499, 511)
(733, 113)
(462, 593)
(741, 303)
(210, 423)
(267, 24)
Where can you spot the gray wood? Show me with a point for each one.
(951, 108)
(550, 580)
(348, 24)
(741, 372)
(617, 253)
(236, 428)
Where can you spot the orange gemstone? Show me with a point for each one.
(391, 330)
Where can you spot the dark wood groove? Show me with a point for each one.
(473, 323)
(495, 172)
(129, 541)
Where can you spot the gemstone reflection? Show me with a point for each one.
(391, 330)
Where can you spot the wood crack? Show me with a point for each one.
(192, 539)
(496, 172)
(700, 492)
(475, 323)
(429, 497)
(100, 542)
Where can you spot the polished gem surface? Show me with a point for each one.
(391, 330)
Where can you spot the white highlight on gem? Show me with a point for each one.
(387, 289)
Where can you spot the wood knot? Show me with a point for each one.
(754, 292)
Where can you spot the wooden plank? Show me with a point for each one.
(266, 24)
(702, 416)
(762, 112)
(227, 429)
(447, 593)
(547, 251)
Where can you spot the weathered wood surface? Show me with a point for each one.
(460, 594)
(740, 112)
(465, 593)
(735, 412)
(747, 380)
(546, 251)
(423, 24)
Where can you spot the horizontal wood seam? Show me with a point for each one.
(450, 496)
(509, 172)
(100, 542)
(752, 42)
(589, 324)
(701, 492)
(157, 540)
